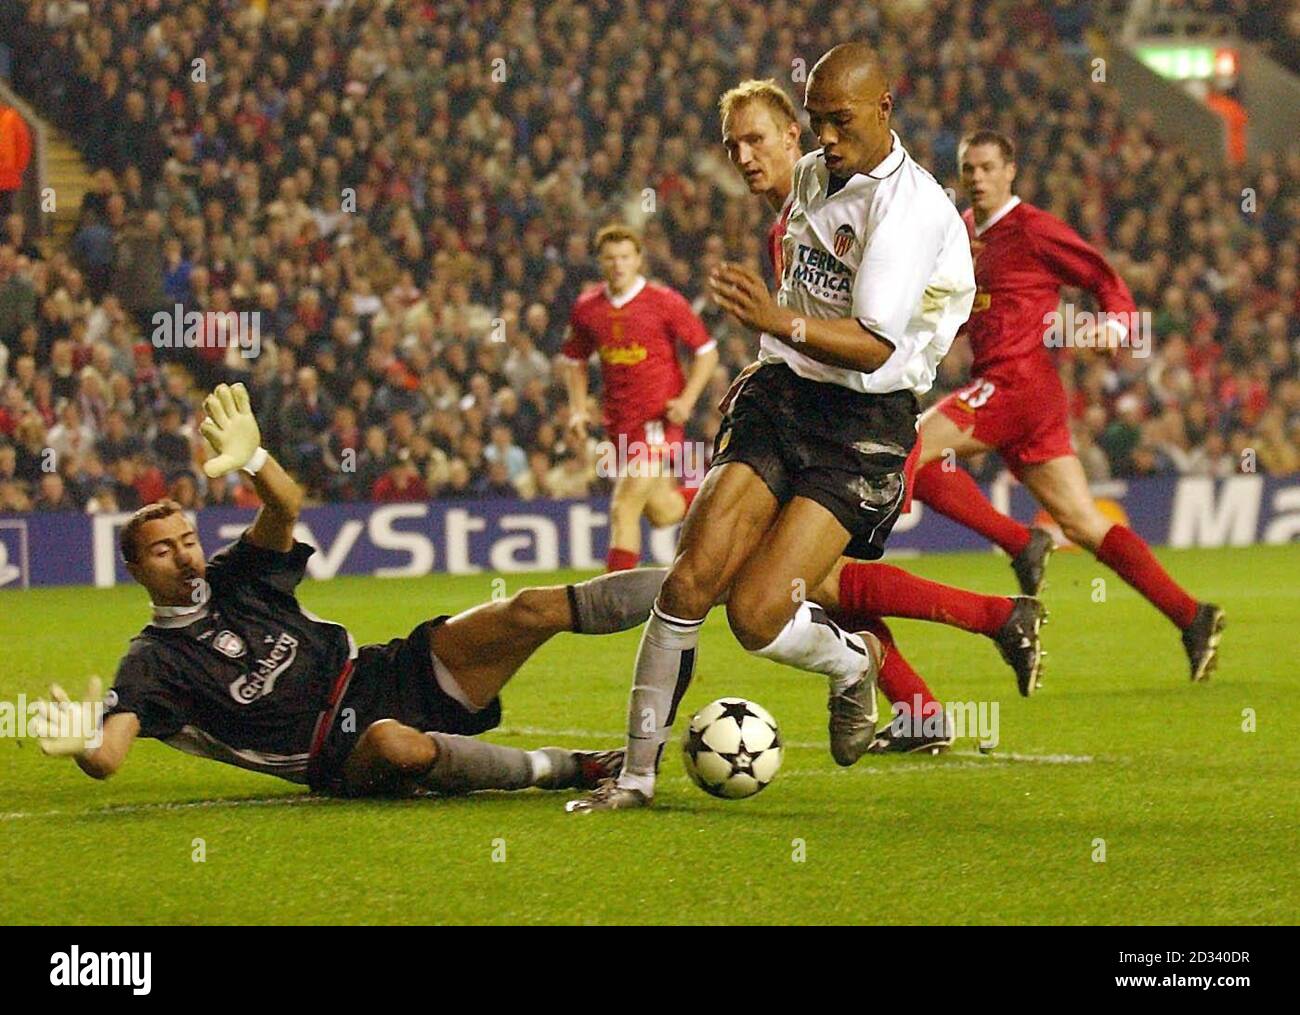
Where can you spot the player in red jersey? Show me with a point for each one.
(761, 134)
(1016, 404)
(635, 325)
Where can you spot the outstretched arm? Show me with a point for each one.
(272, 529)
(118, 735)
(72, 729)
(232, 433)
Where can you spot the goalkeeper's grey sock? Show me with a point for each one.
(553, 767)
(665, 664)
(616, 601)
(465, 764)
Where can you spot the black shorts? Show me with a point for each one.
(393, 681)
(838, 447)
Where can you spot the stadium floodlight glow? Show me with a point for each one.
(1226, 63)
(1190, 63)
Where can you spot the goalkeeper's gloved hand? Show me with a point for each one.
(66, 728)
(231, 432)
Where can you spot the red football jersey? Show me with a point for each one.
(636, 341)
(1021, 262)
(774, 236)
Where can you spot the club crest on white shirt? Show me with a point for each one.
(844, 238)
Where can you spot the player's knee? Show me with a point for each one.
(1086, 529)
(689, 591)
(827, 594)
(402, 748)
(928, 453)
(660, 513)
(756, 615)
(628, 499)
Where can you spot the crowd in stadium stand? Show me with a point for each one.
(406, 193)
(1273, 24)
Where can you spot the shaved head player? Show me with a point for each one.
(761, 135)
(808, 464)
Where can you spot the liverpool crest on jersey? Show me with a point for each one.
(230, 644)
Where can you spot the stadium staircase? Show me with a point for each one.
(66, 172)
(56, 163)
(1268, 91)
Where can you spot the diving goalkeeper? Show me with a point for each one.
(232, 667)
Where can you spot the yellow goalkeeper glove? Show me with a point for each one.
(66, 728)
(231, 432)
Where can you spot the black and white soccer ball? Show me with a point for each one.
(732, 748)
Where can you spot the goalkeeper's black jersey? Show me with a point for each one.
(244, 677)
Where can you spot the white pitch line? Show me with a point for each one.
(995, 755)
(291, 800)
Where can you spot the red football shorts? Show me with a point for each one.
(652, 433)
(1024, 416)
(655, 443)
(909, 476)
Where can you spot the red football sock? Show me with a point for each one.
(688, 494)
(1124, 552)
(621, 560)
(885, 591)
(956, 495)
(897, 680)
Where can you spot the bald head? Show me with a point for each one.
(849, 105)
(851, 68)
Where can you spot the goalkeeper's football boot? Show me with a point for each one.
(609, 796)
(854, 712)
(1201, 640)
(594, 767)
(1030, 564)
(580, 769)
(902, 736)
(1019, 643)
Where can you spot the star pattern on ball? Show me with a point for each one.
(737, 710)
(695, 741)
(742, 762)
(749, 766)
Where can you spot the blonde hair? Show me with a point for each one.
(766, 91)
(616, 232)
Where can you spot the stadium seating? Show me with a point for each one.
(406, 193)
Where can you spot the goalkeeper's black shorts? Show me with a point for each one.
(390, 681)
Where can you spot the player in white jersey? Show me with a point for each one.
(876, 279)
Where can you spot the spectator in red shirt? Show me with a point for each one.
(400, 482)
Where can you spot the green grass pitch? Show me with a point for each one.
(1118, 752)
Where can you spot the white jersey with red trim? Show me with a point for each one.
(886, 247)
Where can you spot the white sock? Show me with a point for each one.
(812, 641)
(540, 762)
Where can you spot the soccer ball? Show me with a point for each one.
(732, 748)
